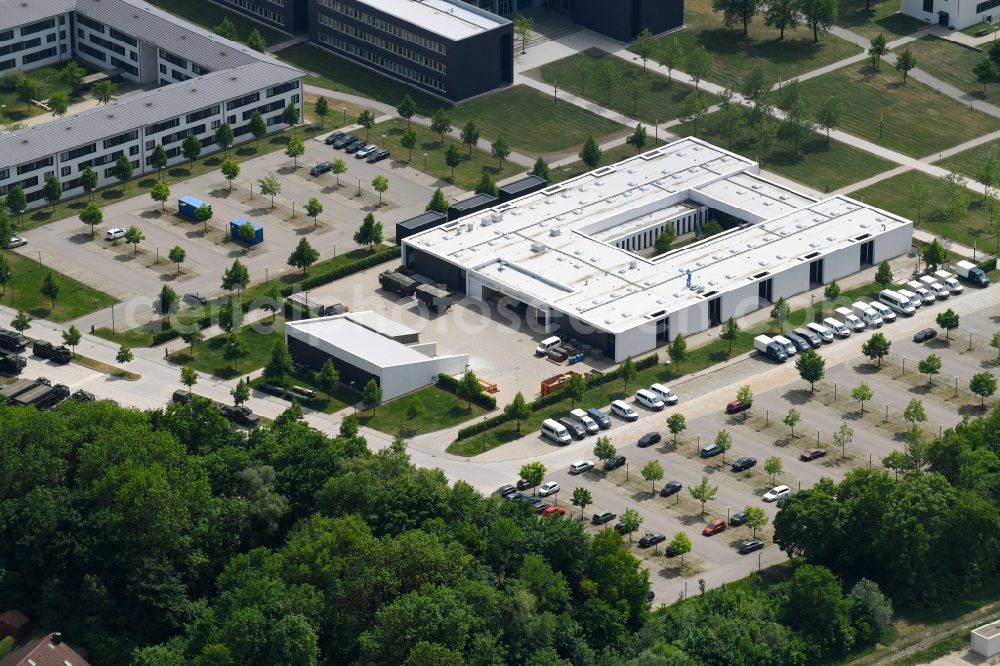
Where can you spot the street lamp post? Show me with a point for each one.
(355, 399)
(425, 162)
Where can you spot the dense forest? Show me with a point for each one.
(168, 538)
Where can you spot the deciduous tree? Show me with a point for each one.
(930, 366)
(160, 192)
(441, 123)
(703, 492)
(676, 424)
(534, 474)
(862, 393)
(92, 216)
(407, 108)
(792, 419)
(652, 472)
(983, 384)
(269, 186)
(370, 232)
(470, 135)
(590, 153)
(517, 410)
(303, 256)
(811, 367)
(582, 498)
(380, 184)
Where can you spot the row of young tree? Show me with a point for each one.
(284, 545)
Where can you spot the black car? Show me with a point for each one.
(181, 396)
(505, 492)
(542, 506)
(272, 389)
(344, 141)
(196, 298)
(333, 137)
(522, 484)
(670, 488)
(602, 517)
(240, 416)
(737, 519)
(614, 463)
(649, 439)
(925, 335)
(354, 147)
(575, 428)
(648, 540)
(743, 463)
(801, 344)
(321, 168)
(620, 528)
(749, 545)
(378, 156)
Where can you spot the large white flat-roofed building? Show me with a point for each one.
(365, 345)
(205, 81)
(571, 257)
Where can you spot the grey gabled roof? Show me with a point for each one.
(149, 24)
(14, 13)
(135, 111)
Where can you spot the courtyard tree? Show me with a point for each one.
(160, 192)
(670, 55)
(234, 349)
(905, 61)
(408, 140)
(693, 107)
(88, 181)
(92, 215)
(468, 388)
(730, 332)
(517, 410)
(52, 191)
(876, 49)
(699, 65)
(862, 393)
(582, 498)
(780, 312)
(327, 379)
(782, 14)
(637, 84)
(677, 350)
(983, 384)
(792, 419)
(676, 424)
(703, 492)
(883, 276)
(303, 256)
(438, 202)
(73, 75)
(226, 29)
(574, 389)
(158, 160)
(644, 46)
(291, 116)
(627, 371)
(488, 185)
(177, 255)
(192, 338)
(830, 113)
(28, 90)
(58, 104)
(920, 196)
(123, 171)
(523, 26)
(269, 187)
(737, 12)
(811, 367)
(279, 365)
(470, 135)
(231, 170)
(665, 240)
(819, 15)
(370, 232)
(637, 139)
(540, 169)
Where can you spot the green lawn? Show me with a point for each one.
(893, 194)
(952, 63)
(209, 15)
(884, 18)
(111, 194)
(427, 410)
(609, 156)
(531, 123)
(734, 55)
(208, 356)
(576, 75)
(821, 166)
(918, 120)
(467, 174)
(973, 29)
(969, 162)
(330, 71)
(49, 81)
(74, 299)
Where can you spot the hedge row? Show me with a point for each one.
(989, 265)
(450, 384)
(345, 270)
(546, 400)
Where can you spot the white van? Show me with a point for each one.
(649, 400)
(948, 280)
(898, 301)
(623, 410)
(825, 334)
(838, 327)
(786, 343)
(911, 297)
(664, 393)
(588, 423)
(868, 315)
(888, 316)
(926, 295)
(546, 345)
(850, 319)
(940, 291)
(556, 431)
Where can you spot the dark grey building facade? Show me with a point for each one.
(285, 15)
(618, 19)
(445, 47)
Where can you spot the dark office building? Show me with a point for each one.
(618, 19)
(446, 47)
(284, 15)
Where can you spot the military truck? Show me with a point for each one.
(47, 350)
(397, 282)
(11, 364)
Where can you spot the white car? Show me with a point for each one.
(665, 394)
(548, 488)
(581, 466)
(776, 493)
(15, 241)
(114, 233)
(366, 151)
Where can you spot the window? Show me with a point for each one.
(216, 124)
(38, 55)
(131, 69)
(34, 166)
(120, 139)
(243, 101)
(78, 152)
(133, 150)
(383, 25)
(20, 46)
(165, 125)
(163, 68)
(928, 6)
(381, 61)
(150, 145)
(7, 64)
(263, 12)
(90, 23)
(133, 56)
(122, 37)
(51, 37)
(38, 27)
(171, 58)
(6, 35)
(65, 171)
(198, 69)
(284, 87)
(981, 7)
(91, 51)
(108, 44)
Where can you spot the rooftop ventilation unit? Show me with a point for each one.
(633, 264)
(537, 247)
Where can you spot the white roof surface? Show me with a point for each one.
(358, 341)
(14, 13)
(450, 19)
(552, 248)
(373, 321)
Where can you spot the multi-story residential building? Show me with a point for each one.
(34, 33)
(204, 81)
(445, 47)
(285, 15)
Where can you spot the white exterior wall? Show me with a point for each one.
(892, 243)
(986, 645)
(636, 341)
(105, 48)
(738, 302)
(841, 263)
(20, 50)
(691, 319)
(961, 13)
(171, 68)
(792, 281)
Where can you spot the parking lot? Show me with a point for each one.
(762, 435)
(68, 246)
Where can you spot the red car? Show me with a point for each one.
(714, 527)
(735, 407)
(812, 454)
(556, 511)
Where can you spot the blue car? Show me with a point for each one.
(603, 420)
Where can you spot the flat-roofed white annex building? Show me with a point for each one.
(568, 258)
